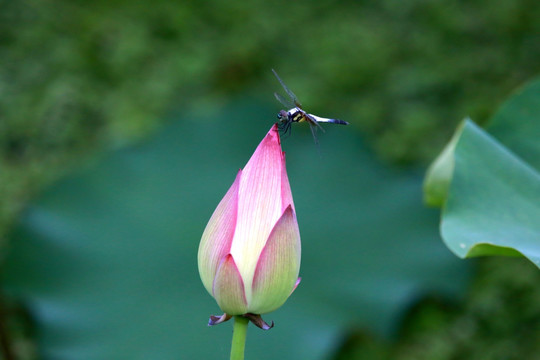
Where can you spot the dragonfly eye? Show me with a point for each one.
(283, 115)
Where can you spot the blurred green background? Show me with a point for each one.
(79, 80)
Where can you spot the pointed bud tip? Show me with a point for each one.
(274, 133)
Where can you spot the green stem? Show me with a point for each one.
(239, 337)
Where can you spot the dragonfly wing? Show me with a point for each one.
(313, 129)
(313, 120)
(287, 90)
(287, 103)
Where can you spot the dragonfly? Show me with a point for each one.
(297, 114)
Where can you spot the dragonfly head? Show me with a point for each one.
(283, 116)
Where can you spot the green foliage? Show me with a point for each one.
(439, 174)
(76, 76)
(498, 321)
(491, 205)
(106, 260)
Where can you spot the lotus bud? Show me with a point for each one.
(249, 255)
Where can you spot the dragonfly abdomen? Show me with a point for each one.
(327, 120)
(337, 121)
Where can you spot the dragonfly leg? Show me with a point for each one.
(285, 128)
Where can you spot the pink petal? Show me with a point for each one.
(286, 193)
(259, 203)
(276, 274)
(217, 237)
(228, 289)
(296, 284)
